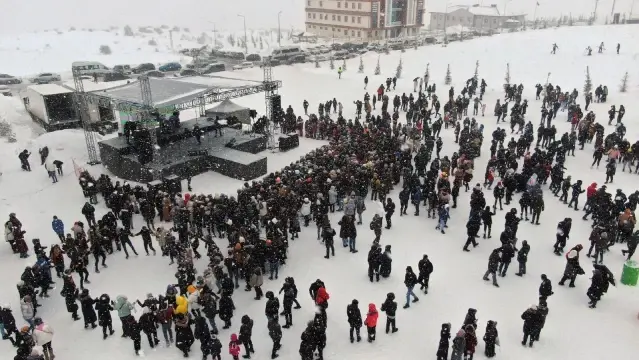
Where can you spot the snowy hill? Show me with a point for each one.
(572, 331)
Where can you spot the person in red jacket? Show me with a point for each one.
(321, 300)
(371, 322)
(590, 192)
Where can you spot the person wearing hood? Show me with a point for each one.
(459, 345)
(410, 280)
(444, 340)
(256, 281)
(493, 265)
(386, 262)
(148, 325)
(7, 323)
(135, 335)
(306, 211)
(103, 307)
(272, 308)
(471, 342)
(522, 258)
(275, 332)
(183, 334)
(354, 319)
(123, 307)
(332, 198)
(43, 336)
(572, 266)
(226, 308)
(234, 347)
(376, 226)
(563, 233)
(595, 291)
(246, 334)
(491, 338)
(633, 240)
(88, 312)
(328, 236)
(371, 322)
(531, 324)
(390, 308)
(545, 289)
(28, 310)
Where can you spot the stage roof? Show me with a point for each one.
(173, 91)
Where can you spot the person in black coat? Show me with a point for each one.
(275, 332)
(531, 319)
(287, 303)
(444, 342)
(545, 289)
(146, 239)
(563, 233)
(272, 308)
(576, 191)
(470, 318)
(390, 308)
(9, 323)
(389, 209)
(134, 334)
(507, 254)
(522, 257)
(386, 262)
(328, 236)
(374, 261)
(319, 335)
(148, 325)
(493, 264)
(184, 338)
(472, 229)
(487, 219)
(425, 268)
(354, 319)
(104, 308)
(491, 338)
(595, 291)
(86, 304)
(404, 196)
(226, 308)
(214, 348)
(410, 280)
(246, 333)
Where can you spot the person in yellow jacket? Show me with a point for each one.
(339, 72)
(182, 304)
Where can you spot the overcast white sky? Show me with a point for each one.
(27, 15)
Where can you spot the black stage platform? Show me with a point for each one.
(183, 156)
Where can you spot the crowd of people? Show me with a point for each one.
(245, 236)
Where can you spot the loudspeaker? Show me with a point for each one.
(143, 145)
(173, 184)
(288, 142)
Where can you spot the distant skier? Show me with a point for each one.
(601, 48)
(618, 47)
(554, 48)
(365, 82)
(589, 51)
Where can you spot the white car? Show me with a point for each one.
(244, 65)
(45, 78)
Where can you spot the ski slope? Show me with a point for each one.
(572, 330)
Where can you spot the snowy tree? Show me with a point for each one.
(331, 64)
(317, 64)
(344, 65)
(398, 71)
(152, 42)
(624, 83)
(231, 40)
(476, 76)
(361, 65)
(105, 50)
(128, 31)
(507, 79)
(448, 79)
(261, 44)
(377, 68)
(588, 84)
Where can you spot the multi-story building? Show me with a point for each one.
(364, 19)
(473, 16)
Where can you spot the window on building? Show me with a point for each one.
(309, 15)
(339, 30)
(313, 15)
(352, 32)
(345, 18)
(359, 19)
(339, 4)
(359, 34)
(321, 4)
(359, 7)
(339, 18)
(353, 6)
(308, 3)
(345, 5)
(333, 17)
(353, 19)
(375, 32)
(332, 29)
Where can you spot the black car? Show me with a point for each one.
(115, 76)
(142, 68)
(188, 72)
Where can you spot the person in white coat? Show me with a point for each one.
(306, 211)
(27, 309)
(193, 298)
(51, 170)
(332, 198)
(43, 336)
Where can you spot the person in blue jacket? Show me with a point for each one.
(58, 227)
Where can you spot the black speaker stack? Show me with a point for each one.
(288, 142)
(173, 184)
(143, 145)
(276, 105)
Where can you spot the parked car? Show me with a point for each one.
(115, 76)
(172, 66)
(189, 72)
(213, 68)
(89, 68)
(5, 91)
(45, 78)
(6, 79)
(340, 55)
(122, 69)
(244, 65)
(253, 57)
(154, 73)
(142, 68)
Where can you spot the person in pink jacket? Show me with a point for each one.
(43, 336)
(234, 347)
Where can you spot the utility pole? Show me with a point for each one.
(245, 38)
(632, 7)
(279, 30)
(612, 13)
(214, 36)
(594, 15)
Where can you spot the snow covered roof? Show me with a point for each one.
(475, 10)
(227, 106)
(165, 91)
(50, 89)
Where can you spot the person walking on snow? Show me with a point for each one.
(339, 72)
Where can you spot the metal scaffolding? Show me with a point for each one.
(82, 109)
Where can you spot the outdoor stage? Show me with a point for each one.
(181, 155)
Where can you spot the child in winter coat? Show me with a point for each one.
(491, 338)
(471, 342)
(234, 347)
(371, 322)
(459, 345)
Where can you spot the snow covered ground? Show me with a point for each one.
(572, 331)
